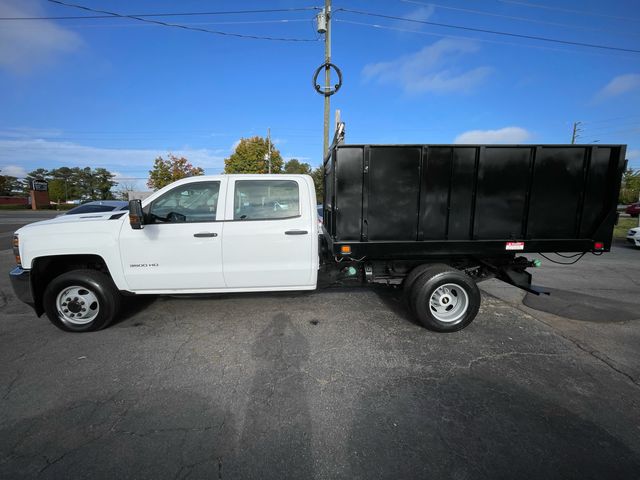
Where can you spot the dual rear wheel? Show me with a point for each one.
(442, 298)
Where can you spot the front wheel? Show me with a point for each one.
(81, 301)
(444, 299)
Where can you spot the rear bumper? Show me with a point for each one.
(21, 282)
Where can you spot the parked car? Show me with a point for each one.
(99, 206)
(633, 209)
(633, 236)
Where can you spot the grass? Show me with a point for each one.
(624, 224)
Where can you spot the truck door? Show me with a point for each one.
(269, 234)
(180, 246)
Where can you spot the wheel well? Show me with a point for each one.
(45, 269)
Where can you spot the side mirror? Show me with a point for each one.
(136, 217)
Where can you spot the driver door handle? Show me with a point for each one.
(205, 234)
(296, 232)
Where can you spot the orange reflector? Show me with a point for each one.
(345, 249)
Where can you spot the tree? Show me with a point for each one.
(250, 156)
(57, 191)
(630, 186)
(9, 185)
(294, 166)
(318, 181)
(167, 171)
(124, 187)
(75, 183)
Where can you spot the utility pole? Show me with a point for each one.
(327, 75)
(269, 149)
(576, 132)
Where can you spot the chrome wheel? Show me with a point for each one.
(77, 305)
(449, 302)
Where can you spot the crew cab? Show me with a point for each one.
(206, 234)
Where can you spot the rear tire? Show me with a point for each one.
(444, 299)
(81, 301)
(410, 280)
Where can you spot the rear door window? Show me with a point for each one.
(266, 199)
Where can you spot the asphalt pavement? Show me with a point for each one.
(338, 383)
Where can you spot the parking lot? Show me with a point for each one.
(338, 383)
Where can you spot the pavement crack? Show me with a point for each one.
(11, 385)
(495, 356)
(602, 358)
(52, 462)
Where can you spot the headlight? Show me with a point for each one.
(16, 250)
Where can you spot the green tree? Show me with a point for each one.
(9, 185)
(318, 181)
(57, 190)
(250, 156)
(75, 183)
(294, 166)
(167, 171)
(630, 186)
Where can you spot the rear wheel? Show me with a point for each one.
(444, 299)
(81, 301)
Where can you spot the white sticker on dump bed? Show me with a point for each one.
(514, 246)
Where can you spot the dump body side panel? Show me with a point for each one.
(421, 200)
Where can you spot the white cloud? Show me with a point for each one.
(420, 14)
(34, 153)
(633, 155)
(26, 45)
(432, 69)
(620, 84)
(235, 145)
(13, 171)
(502, 135)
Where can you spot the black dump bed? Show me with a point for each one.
(407, 201)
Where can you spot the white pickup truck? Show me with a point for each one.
(433, 219)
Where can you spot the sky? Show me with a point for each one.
(116, 92)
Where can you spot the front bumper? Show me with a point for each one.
(634, 240)
(21, 282)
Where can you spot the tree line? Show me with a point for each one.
(65, 183)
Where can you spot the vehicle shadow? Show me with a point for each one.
(133, 305)
(394, 300)
(277, 421)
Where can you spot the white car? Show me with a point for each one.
(633, 236)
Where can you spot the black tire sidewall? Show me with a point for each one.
(414, 275)
(427, 283)
(99, 283)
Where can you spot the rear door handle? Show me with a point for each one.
(296, 232)
(205, 234)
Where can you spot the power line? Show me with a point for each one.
(484, 40)
(482, 30)
(141, 25)
(184, 27)
(511, 17)
(567, 10)
(169, 14)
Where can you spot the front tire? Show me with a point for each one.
(444, 299)
(81, 301)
